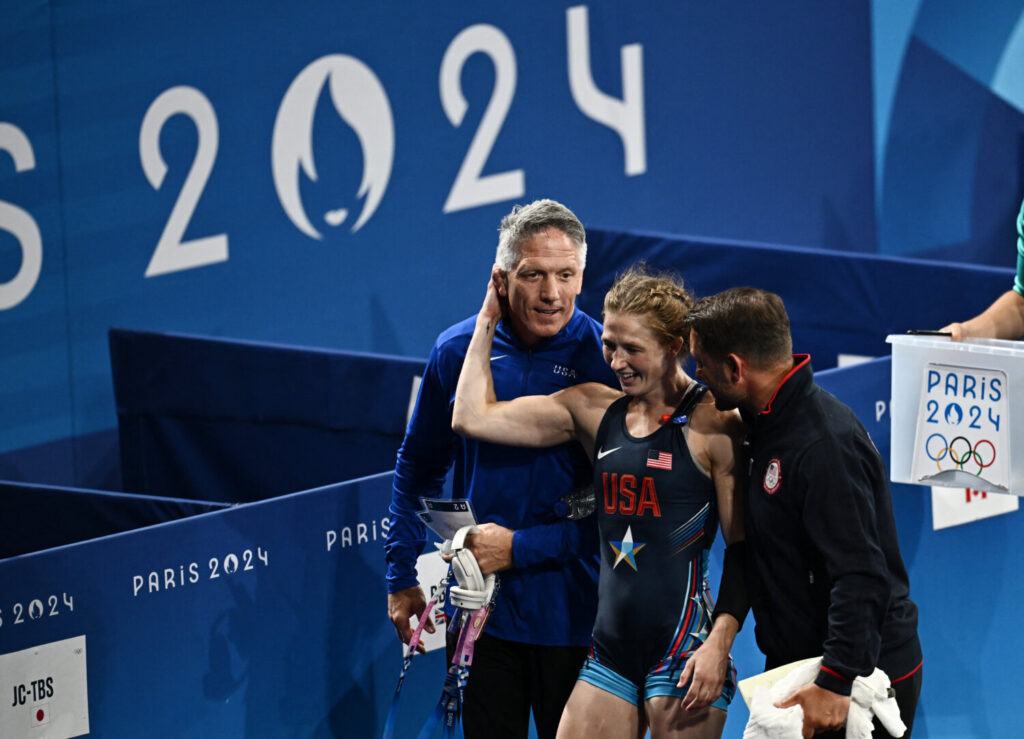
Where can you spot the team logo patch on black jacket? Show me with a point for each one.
(772, 476)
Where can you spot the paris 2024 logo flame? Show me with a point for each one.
(361, 102)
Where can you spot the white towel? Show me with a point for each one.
(869, 698)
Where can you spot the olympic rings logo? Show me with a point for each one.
(959, 455)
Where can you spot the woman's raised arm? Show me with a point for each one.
(530, 420)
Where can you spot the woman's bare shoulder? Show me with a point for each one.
(708, 419)
(591, 392)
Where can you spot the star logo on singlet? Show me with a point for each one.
(701, 635)
(626, 549)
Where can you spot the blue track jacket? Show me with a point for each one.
(550, 596)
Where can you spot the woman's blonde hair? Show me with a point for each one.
(659, 297)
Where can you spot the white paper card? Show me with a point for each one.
(445, 517)
(963, 428)
(767, 679)
(45, 691)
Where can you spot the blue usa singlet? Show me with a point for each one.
(657, 516)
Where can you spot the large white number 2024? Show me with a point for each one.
(172, 254)
(19, 223)
(625, 117)
(470, 189)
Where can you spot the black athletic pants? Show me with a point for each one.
(508, 678)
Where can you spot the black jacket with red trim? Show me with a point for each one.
(827, 577)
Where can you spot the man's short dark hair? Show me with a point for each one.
(745, 321)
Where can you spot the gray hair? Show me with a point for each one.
(526, 220)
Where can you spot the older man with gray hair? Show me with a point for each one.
(536, 637)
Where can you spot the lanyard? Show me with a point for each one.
(449, 705)
(389, 724)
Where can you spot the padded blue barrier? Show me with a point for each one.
(216, 419)
(38, 517)
(264, 619)
(88, 461)
(838, 302)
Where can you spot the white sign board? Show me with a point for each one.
(958, 506)
(963, 428)
(46, 696)
(430, 568)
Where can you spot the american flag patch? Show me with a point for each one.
(659, 460)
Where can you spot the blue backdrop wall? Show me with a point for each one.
(333, 175)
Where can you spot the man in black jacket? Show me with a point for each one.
(825, 573)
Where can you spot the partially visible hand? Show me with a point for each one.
(823, 709)
(956, 329)
(492, 302)
(402, 606)
(706, 666)
(492, 547)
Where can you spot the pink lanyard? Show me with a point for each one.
(449, 706)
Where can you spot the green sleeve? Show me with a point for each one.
(1018, 281)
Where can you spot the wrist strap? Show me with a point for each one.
(733, 597)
